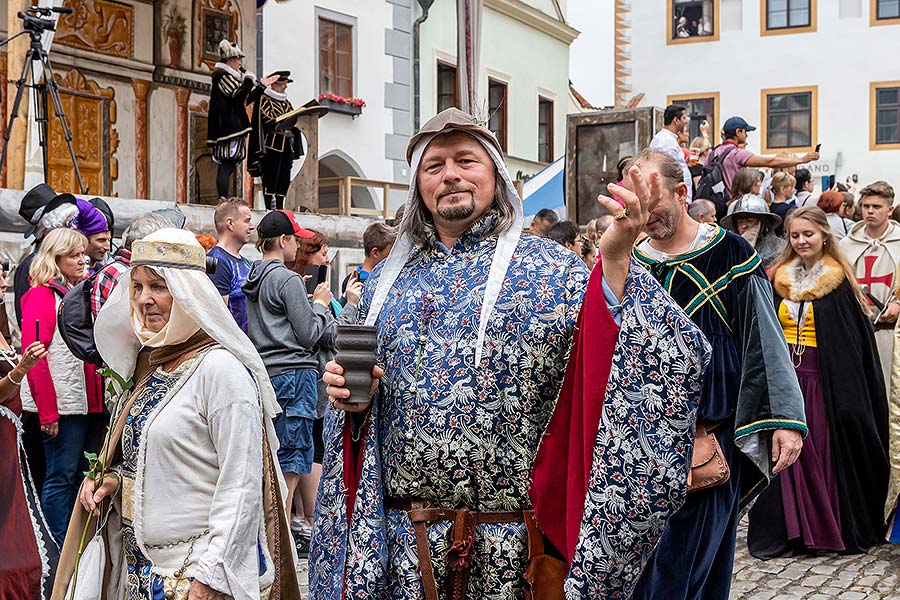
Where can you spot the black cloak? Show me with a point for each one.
(856, 405)
(227, 111)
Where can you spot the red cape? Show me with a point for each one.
(563, 463)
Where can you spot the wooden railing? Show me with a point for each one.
(345, 187)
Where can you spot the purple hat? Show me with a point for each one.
(90, 221)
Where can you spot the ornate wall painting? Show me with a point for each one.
(215, 20)
(91, 111)
(174, 35)
(102, 26)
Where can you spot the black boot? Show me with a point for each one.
(279, 202)
(269, 200)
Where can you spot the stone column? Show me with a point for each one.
(15, 56)
(248, 184)
(141, 89)
(182, 95)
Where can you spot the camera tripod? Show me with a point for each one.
(45, 92)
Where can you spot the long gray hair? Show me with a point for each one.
(418, 222)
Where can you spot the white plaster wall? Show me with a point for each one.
(843, 57)
(545, 6)
(161, 138)
(248, 31)
(532, 63)
(290, 41)
(123, 186)
(143, 35)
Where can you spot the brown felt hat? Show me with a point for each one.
(449, 120)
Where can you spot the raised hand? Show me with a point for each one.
(630, 213)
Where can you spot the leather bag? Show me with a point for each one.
(708, 465)
(545, 574)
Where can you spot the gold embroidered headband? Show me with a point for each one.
(168, 254)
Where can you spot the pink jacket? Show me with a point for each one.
(59, 384)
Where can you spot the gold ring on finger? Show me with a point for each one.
(621, 215)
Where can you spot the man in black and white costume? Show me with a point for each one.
(233, 88)
(274, 146)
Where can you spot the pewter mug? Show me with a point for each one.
(356, 354)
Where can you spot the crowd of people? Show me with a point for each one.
(831, 260)
(548, 400)
(262, 319)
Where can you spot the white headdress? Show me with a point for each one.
(176, 256)
(448, 121)
(228, 49)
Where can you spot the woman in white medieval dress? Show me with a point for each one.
(194, 434)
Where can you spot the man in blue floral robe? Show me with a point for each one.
(423, 489)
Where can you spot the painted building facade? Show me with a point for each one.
(365, 49)
(134, 77)
(352, 49)
(803, 72)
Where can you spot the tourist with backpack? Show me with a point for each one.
(65, 392)
(730, 156)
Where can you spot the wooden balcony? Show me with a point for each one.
(377, 192)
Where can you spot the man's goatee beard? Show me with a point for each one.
(457, 213)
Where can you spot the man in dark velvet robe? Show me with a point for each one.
(750, 392)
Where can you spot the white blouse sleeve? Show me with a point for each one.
(230, 563)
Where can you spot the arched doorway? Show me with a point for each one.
(338, 164)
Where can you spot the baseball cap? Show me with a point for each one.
(281, 222)
(735, 123)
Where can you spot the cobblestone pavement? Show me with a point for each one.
(872, 576)
(303, 575)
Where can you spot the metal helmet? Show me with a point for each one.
(751, 205)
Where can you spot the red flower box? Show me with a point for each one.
(349, 106)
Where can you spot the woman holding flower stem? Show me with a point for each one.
(196, 428)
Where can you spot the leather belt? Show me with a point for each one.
(459, 556)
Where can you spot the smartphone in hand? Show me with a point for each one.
(818, 147)
(317, 275)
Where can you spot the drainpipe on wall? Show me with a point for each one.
(425, 5)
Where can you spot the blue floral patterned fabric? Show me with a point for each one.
(442, 430)
(454, 435)
(140, 583)
(644, 443)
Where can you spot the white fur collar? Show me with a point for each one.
(276, 95)
(803, 280)
(793, 282)
(223, 67)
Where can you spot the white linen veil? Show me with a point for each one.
(506, 244)
(198, 298)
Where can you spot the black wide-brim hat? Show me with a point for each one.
(38, 201)
(283, 76)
